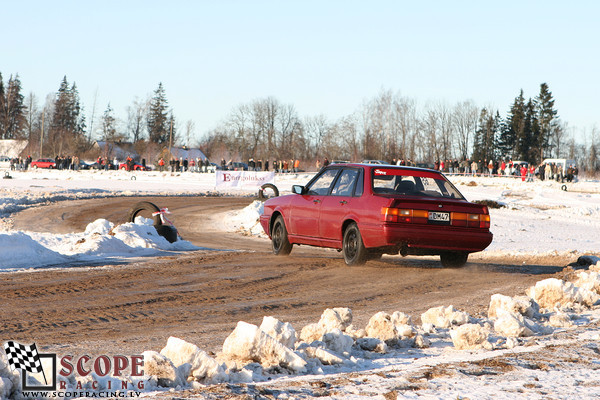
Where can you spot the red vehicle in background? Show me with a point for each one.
(43, 163)
(134, 167)
(367, 210)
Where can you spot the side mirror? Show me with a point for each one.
(298, 189)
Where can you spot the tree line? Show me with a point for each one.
(59, 127)
(392, 127)
(386, 127)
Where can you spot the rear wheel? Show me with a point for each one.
(353, 247)
(279, 238)
(454, 259)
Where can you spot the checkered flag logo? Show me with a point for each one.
(23, 357)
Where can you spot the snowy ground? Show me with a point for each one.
(538, 219)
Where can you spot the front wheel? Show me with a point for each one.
(279, 238)
(454, 259)
(353, 247)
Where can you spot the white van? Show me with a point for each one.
(563, 163)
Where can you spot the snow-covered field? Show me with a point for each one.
(389, 358)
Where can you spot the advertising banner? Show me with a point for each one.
(243, 179)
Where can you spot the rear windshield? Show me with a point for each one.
(404, 182)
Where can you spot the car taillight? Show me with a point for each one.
(390, 214)
(470, 220)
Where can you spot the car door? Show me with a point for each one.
(304, 214)
(339, 204)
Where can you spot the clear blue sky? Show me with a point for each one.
(324, 57)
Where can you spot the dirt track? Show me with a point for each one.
(200, 297)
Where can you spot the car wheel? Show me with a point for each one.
(279, 238)
(353, 247)
(454, 259)
(147, 209)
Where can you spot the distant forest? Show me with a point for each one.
(385, 127)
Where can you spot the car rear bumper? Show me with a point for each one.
(443, 238)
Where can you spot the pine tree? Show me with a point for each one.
(485, 146)
(108, 125)
(68, 122)
(158, 126)
(547, 118)
(513, 128)
(15, 122)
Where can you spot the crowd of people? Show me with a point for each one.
(544, 171)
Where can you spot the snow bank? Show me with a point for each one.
(470, 337)
(101, 241)
(521, 305)
(202, 367)
(553, 292)
(247, 343)
(444, 317)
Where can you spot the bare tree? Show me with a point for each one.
(465, 122)
(136, 115)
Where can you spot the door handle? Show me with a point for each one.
(342, 202)
(316, 201)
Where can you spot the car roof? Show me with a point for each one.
(387, 166)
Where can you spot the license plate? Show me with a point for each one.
(439, 217)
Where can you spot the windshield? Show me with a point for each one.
(406, 182)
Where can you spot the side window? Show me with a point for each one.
(321, 185)
(344, 186)
(360, 183)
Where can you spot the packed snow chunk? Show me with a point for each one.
(400, 318)
(284, 333)
(9, 380)
(421, 342)
(390, 328)
(311, 332)
(588, 280)
(160, 368)
(372, 344)
(521, 304)
(338, 342)
(511, 324)
(336, 318)
(99, 227)
(19, 250)
(325, 356)
(560, 320)
(204, 368)
(140, 236)
(331, 319)
(444, 317)
(380, 326)
(248, 343)
(553, 292)
(470, 337)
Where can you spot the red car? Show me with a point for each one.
(43, 163)
(368, 210)
(136, 167)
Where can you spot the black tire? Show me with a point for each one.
(149, 208)
(279, 238)
(454, 259)
(353, 247)
(168, 232)
(261, 191)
